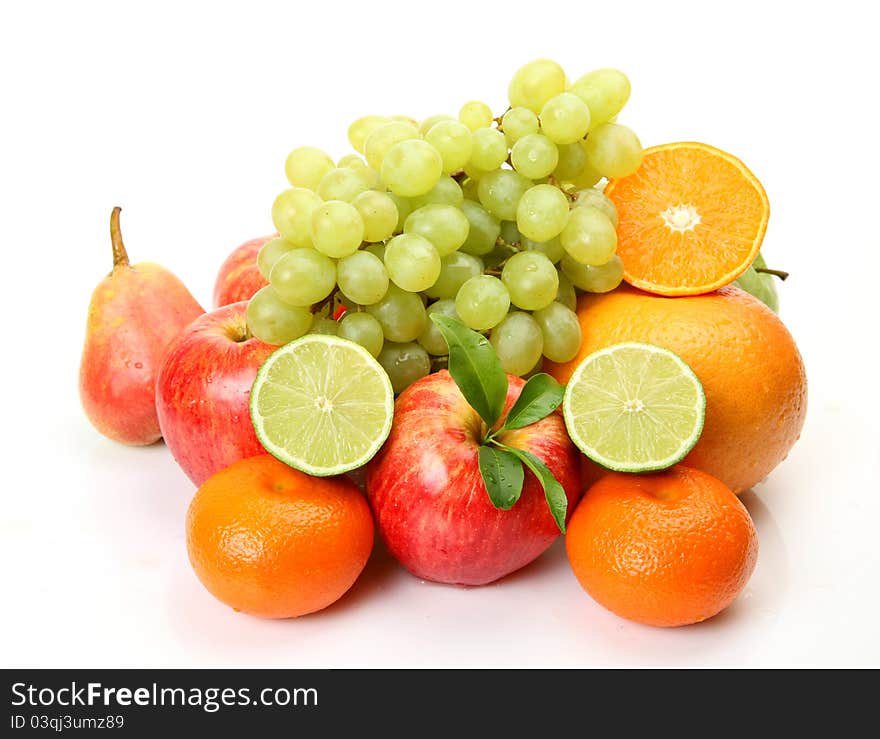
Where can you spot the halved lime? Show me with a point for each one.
(634, 407)
(322, 404)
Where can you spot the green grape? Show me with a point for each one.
(292, 215)
(469, 189)
(482, 302)
(589, 236)
(597, 199)
(412, 262)
(431, 338)
(406, 119)
(401, 313)
(476, 115)
(374, 179)
(484, 229)
(561, 330)
(572, 160)
(474, 173)
(534, 156)
(542, 212)
(382, 138)
(362, 128)
(454, 141)
(324, 325)
(565, 118)
(343, 183)
(518, 122)
(404, 208)
(613, 150)
(363, 329)
(272, 320)
(404, 363)
(447, 191)
(455, 269)
(531, 279)
(377, 250)
(306, 166)
(500, 192)
(379, 214)
(303, 276)
(352, 161)
(594, 279)
(605, 91)
(518, 342)
(588, 176)
(551, 249)
(510, 233)
(535, 83)
(370, 176)
(445, 226)
(362, 277)
(337, 228)
(566, 293)
(271, 252)
(411, 168)
(428, 123)
(489, 150)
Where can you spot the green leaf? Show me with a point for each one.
(557, 501)
(540, 396)
(502, 474)
(475, 368)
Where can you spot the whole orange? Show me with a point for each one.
(274, 542)
(666, 549)
(747, 361)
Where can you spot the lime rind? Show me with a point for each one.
(322, 405)
(634, 407)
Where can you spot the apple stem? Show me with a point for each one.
(120, 256)
(782, 275)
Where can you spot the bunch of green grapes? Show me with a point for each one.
(496, 221)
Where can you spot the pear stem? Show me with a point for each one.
(775, 272)
(120, 256)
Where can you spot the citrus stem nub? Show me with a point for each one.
(120, 256)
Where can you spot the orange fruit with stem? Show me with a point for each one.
(692, 219)
(666, 549)
(274, 542)
(745, 358)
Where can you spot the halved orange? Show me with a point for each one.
(692, 219)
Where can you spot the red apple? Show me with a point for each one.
(430, 503)
(239, 278)
(202, 392)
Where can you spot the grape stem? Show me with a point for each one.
(120, 256)
(499, 119)
(323, 307)
(781, 274)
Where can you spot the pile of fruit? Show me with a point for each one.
(517, 325)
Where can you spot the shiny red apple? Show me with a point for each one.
(202, 392)
(428, 496)
(239, 277)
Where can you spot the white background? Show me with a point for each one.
(183, 114)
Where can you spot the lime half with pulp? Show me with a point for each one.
(322, 404)
(634, 407)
